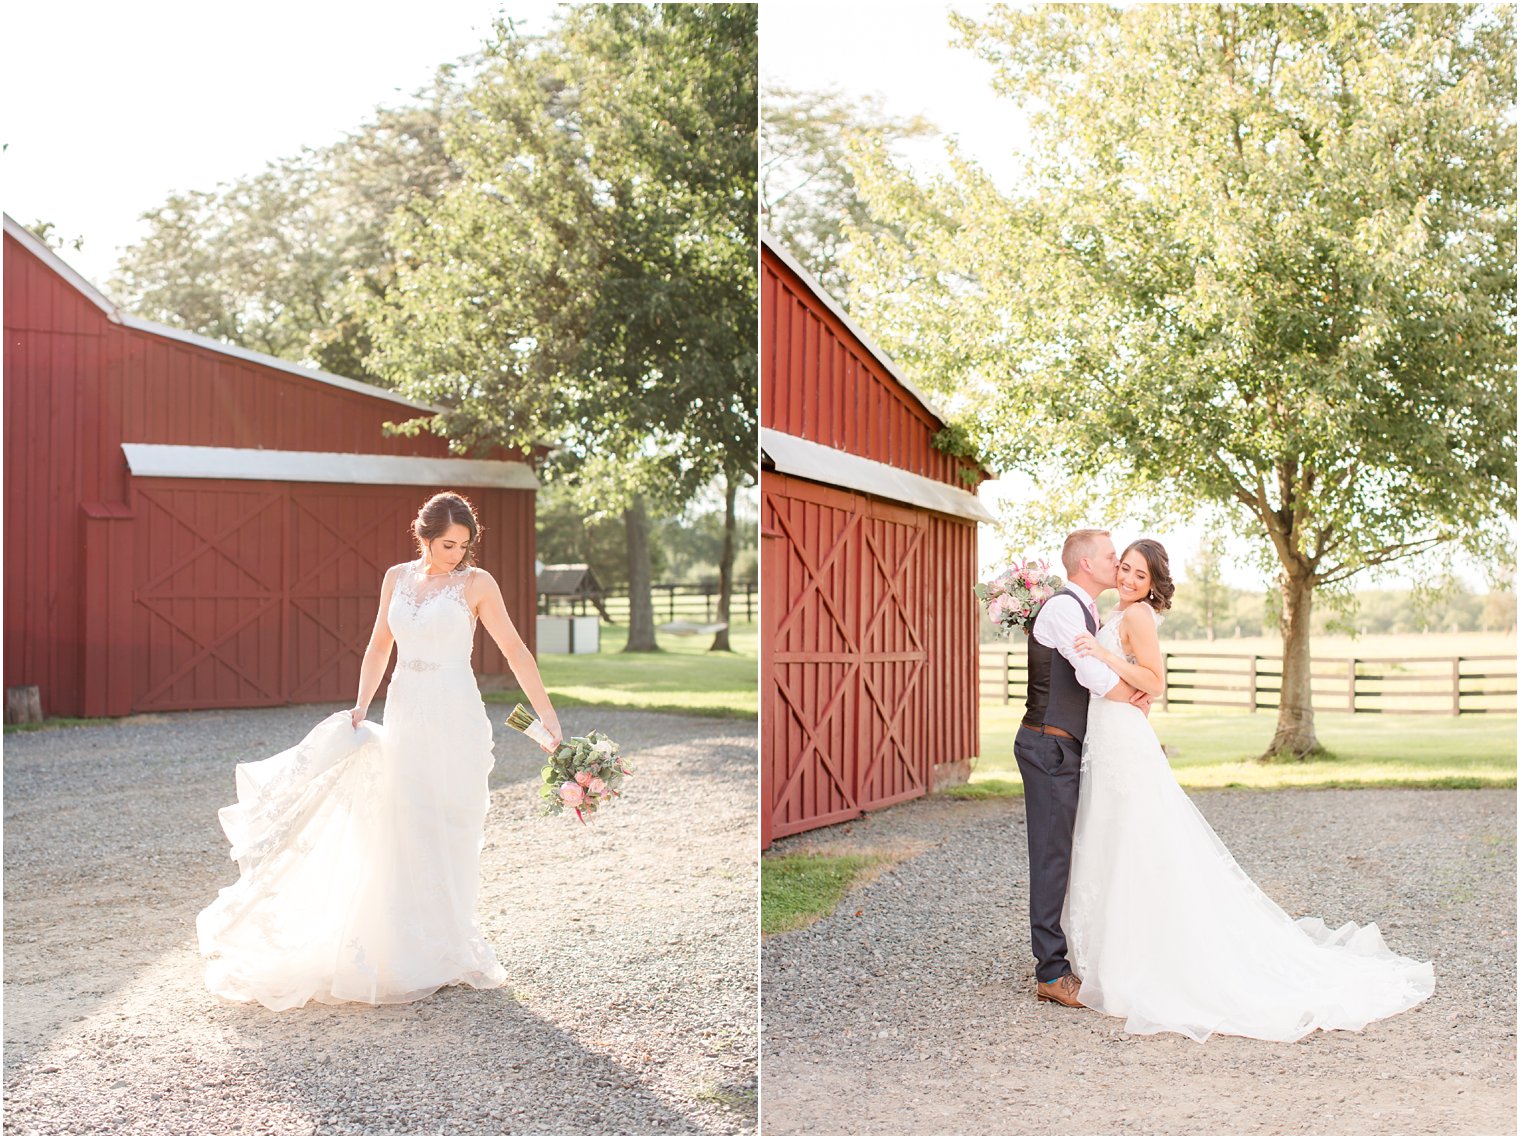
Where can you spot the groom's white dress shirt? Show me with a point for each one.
(1057, 626)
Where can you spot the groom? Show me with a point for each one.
(1048, 746)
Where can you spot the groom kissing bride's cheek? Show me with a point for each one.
(1136, 909)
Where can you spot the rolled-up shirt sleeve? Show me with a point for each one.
(1056, 626)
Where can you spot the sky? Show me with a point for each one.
(111, 107)
(903, 53)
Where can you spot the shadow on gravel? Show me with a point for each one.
(168, 1058)
(396, 1070)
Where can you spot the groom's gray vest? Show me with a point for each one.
(1055, 696)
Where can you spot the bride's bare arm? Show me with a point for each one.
(1139, 629)
(378, 652)
(492, 611)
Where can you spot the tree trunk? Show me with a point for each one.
(726, 568)
(1295, 714)
(640, 596)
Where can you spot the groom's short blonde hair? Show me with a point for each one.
(1080, 544)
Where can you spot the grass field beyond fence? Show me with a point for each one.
(1218, 748)
(685, 677)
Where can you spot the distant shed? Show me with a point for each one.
(189, 524)
(869, 622)
(574, 584)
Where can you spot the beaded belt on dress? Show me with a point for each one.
(430, 665)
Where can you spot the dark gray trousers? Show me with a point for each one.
(1051, 768)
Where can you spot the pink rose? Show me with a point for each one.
(583, 777)
(597, 786)
(571, 793)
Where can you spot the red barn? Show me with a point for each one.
(192, 525)
(868, 557)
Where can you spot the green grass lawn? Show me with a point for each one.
(685, 677)
(798, 889)
(1217, 748)
(52, 722)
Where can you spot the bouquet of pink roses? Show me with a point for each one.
(583, 772)
(1015, 595)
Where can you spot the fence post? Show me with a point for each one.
(1166, 677)
(1351, 685)
(749, 601)
(1254, 659)
(1456, 686)
(1007, 676)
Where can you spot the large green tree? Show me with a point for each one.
(589, 280)
(1262, 257)
(808, 195)
(280, 261)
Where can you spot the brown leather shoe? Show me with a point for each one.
(1063, 990)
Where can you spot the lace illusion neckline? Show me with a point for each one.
(417, 568)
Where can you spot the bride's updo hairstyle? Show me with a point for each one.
(438, 514)
(1154, 553)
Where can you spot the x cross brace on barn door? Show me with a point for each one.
(893, 720)
(208, 649)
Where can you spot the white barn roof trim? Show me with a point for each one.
(163, 460)
(805, 459)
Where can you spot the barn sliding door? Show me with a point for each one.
(255, 594)
(843, 652)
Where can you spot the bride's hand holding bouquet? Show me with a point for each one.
(583, 772)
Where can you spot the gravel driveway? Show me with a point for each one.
(637, 1015)
(910, 1010)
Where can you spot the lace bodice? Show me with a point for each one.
(431, 618)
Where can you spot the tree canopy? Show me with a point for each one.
(589, 280)
(280, 261)
(807, 185)
(1263, 257)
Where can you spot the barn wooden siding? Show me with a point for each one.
(869, 627)
(819, 382)
(125, 593)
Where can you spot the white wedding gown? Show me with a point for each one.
(1168, 931)
(359, 851)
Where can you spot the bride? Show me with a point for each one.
(359, 848)
(1165, 927)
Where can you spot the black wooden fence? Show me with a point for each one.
(690, 601)
(1454, 685)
